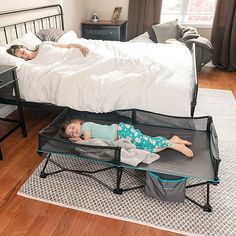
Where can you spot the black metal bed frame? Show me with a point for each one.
(53, 18)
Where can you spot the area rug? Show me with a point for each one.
(84, 194)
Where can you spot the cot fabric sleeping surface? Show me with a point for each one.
(200, 131)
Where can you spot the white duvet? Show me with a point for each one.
(113, 76)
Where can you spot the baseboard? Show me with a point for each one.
(6, 110)
(210, 64)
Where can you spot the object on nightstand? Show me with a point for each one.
(116, 14)
(94, 17)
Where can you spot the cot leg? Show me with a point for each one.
(118, 189)
(43, 174)
(208, 207)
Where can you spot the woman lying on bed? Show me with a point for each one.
(27, 54)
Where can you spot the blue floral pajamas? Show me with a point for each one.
(140, 140)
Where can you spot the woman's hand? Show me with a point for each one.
(84, 50)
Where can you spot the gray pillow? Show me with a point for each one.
(165, 31)
(52, 34)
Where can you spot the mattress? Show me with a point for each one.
(113, 76)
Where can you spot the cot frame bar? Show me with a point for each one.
(120, 170)
(118, 189)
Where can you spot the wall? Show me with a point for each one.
(17, 4)
(74, 10)
(105, 8)
(205, 32)
(74, 14)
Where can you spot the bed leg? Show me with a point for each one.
(208, 207)
(118, 189)
(43, 174)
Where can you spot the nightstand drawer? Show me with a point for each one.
(104, 33)
(104, 30)
(6, 78)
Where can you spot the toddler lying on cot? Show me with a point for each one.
(75, 129)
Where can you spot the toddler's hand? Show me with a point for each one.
(78, 139)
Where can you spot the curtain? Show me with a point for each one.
(224, 35)
(142, 15)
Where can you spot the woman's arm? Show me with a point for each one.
(84, 50)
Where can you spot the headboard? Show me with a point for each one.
(30, 19)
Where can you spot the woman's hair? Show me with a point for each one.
(65, 125)
(13, 48)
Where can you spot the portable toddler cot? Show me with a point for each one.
(172, 169)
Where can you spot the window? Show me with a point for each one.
(194, 12)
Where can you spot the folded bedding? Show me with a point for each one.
(113, 76)
(129, 153)
(204, 48)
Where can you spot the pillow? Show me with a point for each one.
(29, 40)
(165, 31)
(52, 34)
(7, 59)
(174, 41)
(143, 38)
(67, 37)
(180, 29)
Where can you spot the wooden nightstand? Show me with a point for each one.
(105, 30)
(7, 77)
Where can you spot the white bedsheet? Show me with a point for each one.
(114, 75)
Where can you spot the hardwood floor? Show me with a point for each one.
(22, 216)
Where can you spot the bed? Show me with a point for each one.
(203, 167)
(123, 76)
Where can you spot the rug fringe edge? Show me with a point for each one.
(106, 215)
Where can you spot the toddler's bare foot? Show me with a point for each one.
(182, 148)
(176, 139)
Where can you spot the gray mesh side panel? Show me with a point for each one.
(148, 118)
(69, 148)
(96, 153)
(103, 118)
(165, 187)
(214, 150)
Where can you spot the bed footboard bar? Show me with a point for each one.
(195, 80)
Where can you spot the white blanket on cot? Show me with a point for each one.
(113, 76)
(129, 153)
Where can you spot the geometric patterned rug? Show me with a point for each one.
(84, 194)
